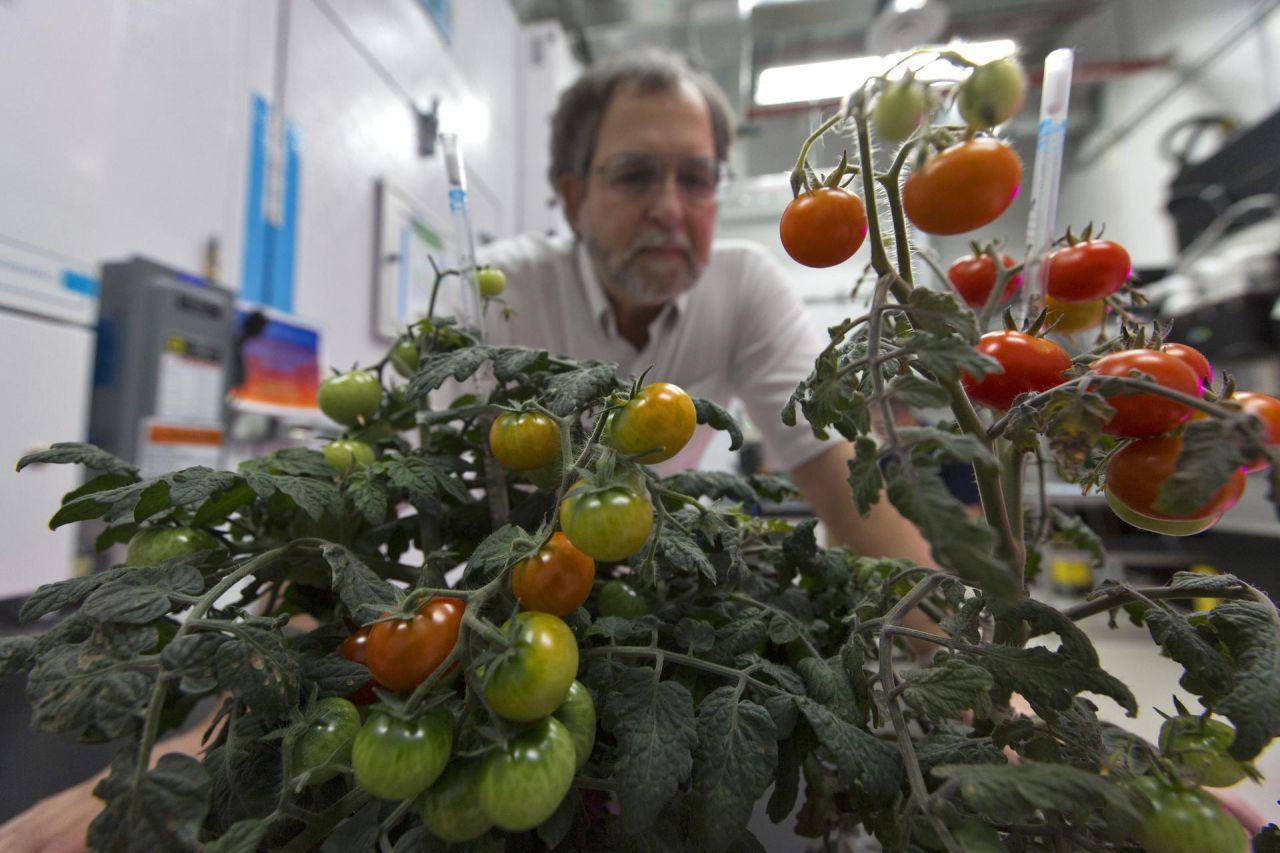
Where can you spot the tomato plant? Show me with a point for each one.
(962, 188)
(404, 357)
(350, 397)
(153, 545)
(973, 276)
(1067, 318)
(397, 759)
(1088, 270)
(619, 598)
(1266, 409)
(534, 679)
(327, 741)
(556, 580)
(523, 441)
(608, 524)
(346, 455)
(823, 227)
(401, 653)
(522, 784)
(1136, 472)
(1028, 364)
(1184, 820)
(1144, 414)
(578, 715)
(1199, 745)
(899, 109)
(451, 807)
(660, 418)
(992, 93)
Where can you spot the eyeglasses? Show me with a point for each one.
(636, 176)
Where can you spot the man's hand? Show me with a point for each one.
(56, 824)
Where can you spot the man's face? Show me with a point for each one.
(647, 208)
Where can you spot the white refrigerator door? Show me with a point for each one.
(45, 393)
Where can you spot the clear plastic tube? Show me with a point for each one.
(1046, 178)
(470, 313)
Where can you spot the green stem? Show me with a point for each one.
(893, 191)
(987, 475)
(879, 258)
(1118, 596)
(804, 150)
(662, 656)
(1012, 466)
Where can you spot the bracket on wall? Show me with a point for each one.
(428, 128)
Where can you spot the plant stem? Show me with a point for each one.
(322, 824)
(663, 655)
(808, 143)
(1117, 596)
(893, 192)
(1012, 469)
(987, 475)
(879, 258)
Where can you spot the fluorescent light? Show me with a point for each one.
(820, 81)
(901, 6)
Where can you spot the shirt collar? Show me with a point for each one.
(598, 302)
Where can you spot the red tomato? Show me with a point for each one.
(824, 227)
(403, 652)
(1142, 415)
(1136, 472)
(962, 188)
(355, 648)
(1195, 360)
(1067, 318)
(973, 276)
(1266, 409)
(555, 580)
(1089, 270)
(1030, 364)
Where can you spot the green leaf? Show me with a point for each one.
(783, 629)
(617, 628)
(910, 390)
(947, 688)
(712, 484)
(1209, 586)
(333, 674)
(695, 636)
(51, 597)
(193, 657)
(1040, 619)
(678, 552)
(127, 603)
(1004, 793)
(244, 836)
(365, 595)
(861, 759)
(16, 654)
(193, 486)
(572, 392)
(369, 495)
(163, 812)
(256, 666)
(154, 499)
(100, 483)
(741, 635)
(786, 786)
(774, 487)
(930, 444)
(358, 832)
(947, 358)
(499, 549)
(734, 762)
(299, 461)
(76, 453)
(1213, 450)
(864, 474)
(714, 416)
(946, 747)
(653, 724)
(1207, 672)
(219, 507)
(513, 363)
(437, 367)
(938, 312)
(425, 478)
(1050, 680)
(554, 829)
(1251, 635)
(314, 497)
(112, 503)
(79, 688)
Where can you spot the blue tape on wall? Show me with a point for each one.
(281, 293)
(270, 248)
(79, 283)
(253, 273)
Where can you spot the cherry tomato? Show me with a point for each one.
(151, 546)
(962, 188)
(660, 416)
(578, 714)
(1194, 359)
(491, 282)
(1067, 318)
(451, 807)
(898, 111)
(534, 679)
(355, 648)
(351, 397)
(608, 524)
(1088, 270)
(397, 759)
(346, 455)
(1267, 410)
(1136, 472)
(1030, 364)
(1142, 414)
(401, 653)
(1199, 746)
(618, 598)
(525, 440)
(522, 784)
(556, 580)
(993, 93)
(823, 227)
(1185, 821)
(973, 276)
(404, 357)
(327, 740)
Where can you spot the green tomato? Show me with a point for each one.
(451, 807)
(404, 357)
(327, 741)
(398, 759)
(1200, 747)
(523, 784)
(1163, 526)
(152, 545)
(346, 455)
(578, 714)
(491, 282)
(608, 524)
(535, 678)
(618, 598)
(898, 111)
(351, 397)
(993, 93)
(1185, 821)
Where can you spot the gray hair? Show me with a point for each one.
(576, 121)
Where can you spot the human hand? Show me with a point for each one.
(57, 824)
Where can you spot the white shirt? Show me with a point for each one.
(739, 333)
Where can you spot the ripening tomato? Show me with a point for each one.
(973, 276)
(397, 759)
(522, 784)
(401, 653)
(1194, 359)
(609, 524)
(1135, 474)
(556, 580)
(619, 598)
(992, 93)
(522, 441)
(1088, 270)
(963, 187)
(1030, 365)
(1185, 821)
(1067, 318)
(535, 678)
(578, 714)
(660, 418)
(823, 227)
(1267, 410)
(1142, 414)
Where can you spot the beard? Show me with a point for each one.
(652, 271)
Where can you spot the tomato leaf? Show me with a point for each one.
(369, 495)
(910, 390)
(864, 474)
(618, 628)
(154, 499)
(113, 503)
(193, 657)
(948, 357)
(713, 484)
(100, 483)
(711, 414)
(83, 688)
(741, 634)
(256, 666)
(244, 836)
(786, 786)
(1050, 680)
(1207, 672)
(1250, 633)
(677, 551)
(357, 832)
(77, 453)
(299, 461)
(437, 367)
(17, 654)
(497, 551)
(653, 723)
(947, 688)
(572, 392)
(1213, 450)
(734, 763)
(218, 507)
(365, 595)
(1070, 531)
(51, 597)
(512, 363)
(694, 635)
(861, 758)
(938, 312)
(141, 595)
(941, 746)
(774, 487)
(1007, 792)
(163, 811)
(314, 497)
